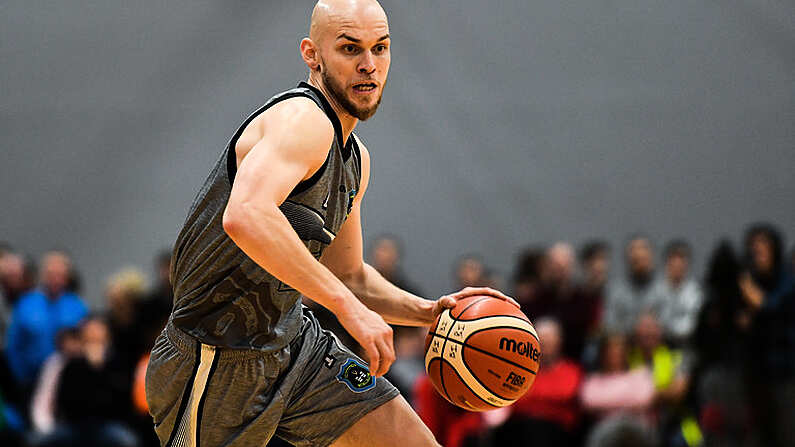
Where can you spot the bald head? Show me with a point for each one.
(329, 15)
(348, 54)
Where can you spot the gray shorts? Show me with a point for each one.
(307, 393)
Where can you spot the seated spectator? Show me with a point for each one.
(123, 291)
(153, 311)
(671, 381)
(93, 395)
(15, 280)
(409, 364)
(527, 280)
(680, 297)
(769, 290)
(649, 351)
(549, 414)
(471, 272)
(720, 343)
(38, 316)
(595, 264)
(451, 426)
(627, 299)
(42, 409)
(615, 389)
(574, 311)
(620, 400)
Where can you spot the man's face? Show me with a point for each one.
(597, 269)
(551, 341)
(762, 253)
(648, 333)
(676, 267)
(354, 60)
(640, 257)
(55, 272)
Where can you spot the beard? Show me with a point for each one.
(338, 92)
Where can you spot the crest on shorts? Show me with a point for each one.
(356, 376)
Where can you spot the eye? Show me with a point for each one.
(380, 48)
(349, 48)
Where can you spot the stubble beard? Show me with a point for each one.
(339, 96)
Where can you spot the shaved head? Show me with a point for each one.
(347, 52)
(329, 14)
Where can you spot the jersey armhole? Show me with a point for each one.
(357, 152)
(231, 155)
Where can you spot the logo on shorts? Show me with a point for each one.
(356, 376)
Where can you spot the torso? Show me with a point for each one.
(221, 296)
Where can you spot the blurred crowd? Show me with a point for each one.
(655, 355)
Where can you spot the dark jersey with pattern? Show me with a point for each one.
(221, 296)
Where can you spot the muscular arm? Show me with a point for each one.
(285, 145)
(344, 257)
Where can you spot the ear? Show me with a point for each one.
(310, 54)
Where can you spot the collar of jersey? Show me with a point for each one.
(332, 115)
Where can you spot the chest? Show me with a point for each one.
(318, 213)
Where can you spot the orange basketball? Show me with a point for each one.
(482, 354)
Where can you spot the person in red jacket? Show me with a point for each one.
(549, 414)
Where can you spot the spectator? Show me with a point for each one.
(595, 264)
(123, 292)
(385, 257)
(627, 299)
(614, 389)
(471, 272)
(38, 316)
(549, 414)
(451, 426)
(93, 395)
(620, 400)
(409, 364)
(768, 289)
(527, 279)
(721, 346)
(15, 280)
(155, 308)
(42, 409)
(680, 296)
(16, 276)
(671, 381)
(720, 337)
(573, 310)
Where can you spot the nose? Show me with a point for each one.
(367, 64)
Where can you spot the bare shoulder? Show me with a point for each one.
(295, 124)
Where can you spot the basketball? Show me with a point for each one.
(482, 354)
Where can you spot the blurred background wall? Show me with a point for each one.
(504, 123)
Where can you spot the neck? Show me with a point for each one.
(676, 282)
(347, 121)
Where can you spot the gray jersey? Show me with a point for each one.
(221, 296)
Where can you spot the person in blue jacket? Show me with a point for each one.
(39, 315)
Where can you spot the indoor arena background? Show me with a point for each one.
(504, 125)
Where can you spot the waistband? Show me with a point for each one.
(187, 343)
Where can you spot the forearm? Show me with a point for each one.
(267, 237)
(394, 304)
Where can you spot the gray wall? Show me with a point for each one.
(504, 123)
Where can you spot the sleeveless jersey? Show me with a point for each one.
(221, 296)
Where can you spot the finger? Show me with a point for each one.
(447, 302)
(469, 291)
(387, 354)
(373, 357)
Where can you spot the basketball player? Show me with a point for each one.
(279, 217)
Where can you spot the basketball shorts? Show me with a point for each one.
(308, 393)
